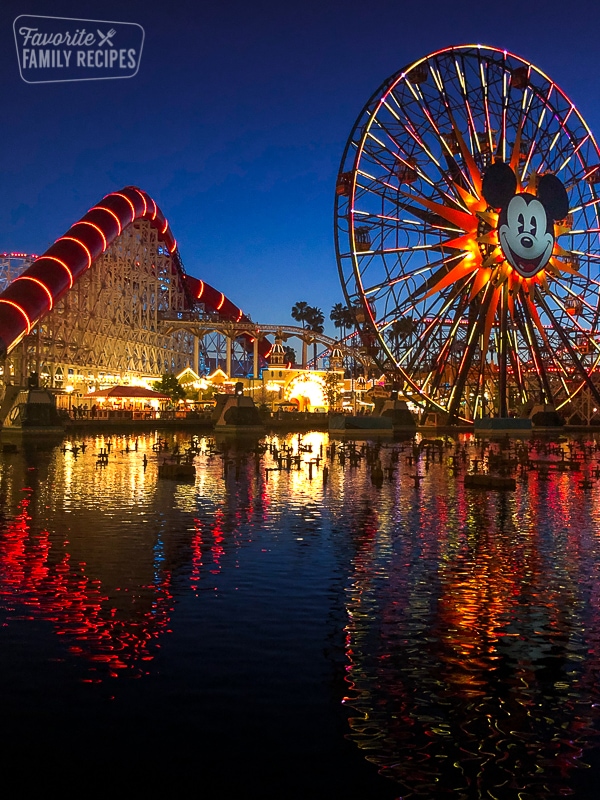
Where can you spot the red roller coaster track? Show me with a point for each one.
(34, 293)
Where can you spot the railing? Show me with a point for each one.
(140, 414)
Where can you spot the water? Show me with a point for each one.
(265, 632)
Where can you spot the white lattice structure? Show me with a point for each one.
(109, 302)
(12, 265)
(105, 329)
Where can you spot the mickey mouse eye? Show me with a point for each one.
(533, 225)
(521, 223)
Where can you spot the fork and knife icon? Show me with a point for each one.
(106, 38)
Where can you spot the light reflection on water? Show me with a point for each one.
(473, 627)
(473, 637)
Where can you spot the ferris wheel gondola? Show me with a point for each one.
(466, 219)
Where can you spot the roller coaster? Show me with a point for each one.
(110, 301)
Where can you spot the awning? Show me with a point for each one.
(129, 392)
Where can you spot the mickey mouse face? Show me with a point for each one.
(526, 222)
(524, 236)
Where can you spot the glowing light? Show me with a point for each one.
(18, 307)
(73, 239)
(221, 303)
(118, 194)
(100, 231)
(112, 213)
(200, 291)
(307, 387)
(43, 285)
(62, 263)
(141, 194)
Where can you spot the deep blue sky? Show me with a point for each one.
(237, 120)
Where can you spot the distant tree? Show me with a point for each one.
(169, 385)
(339, 317)
(289, 355)
(333, 383)
(349, 318)
(400, 330)
(315, 321)
(299, 312)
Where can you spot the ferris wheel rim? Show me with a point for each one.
(370, 114)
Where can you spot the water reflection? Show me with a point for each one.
(473, 624)
(473, 638)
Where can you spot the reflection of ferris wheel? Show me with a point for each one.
(477, 285)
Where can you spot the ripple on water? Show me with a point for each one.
(473, 664)
(472, 625)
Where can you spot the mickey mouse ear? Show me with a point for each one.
(499, 184)
(553, 196)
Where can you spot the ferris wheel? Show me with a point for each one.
(467, 234)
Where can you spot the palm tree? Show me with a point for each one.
(400, 330)
(300, 312)
(340, 317)
(349, 318)
(315, 321)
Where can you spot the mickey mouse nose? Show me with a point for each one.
(526, 241)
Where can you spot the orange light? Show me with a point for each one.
(73, 239)
(62, 263)
(43, 285)
(155, 209)
(144, 200)
(112, 213)
(118, 194)
(18, 307)
(201, 292)
(85, 222)
(164, 230)
(174, 247)
(240, 315)
(221, 303)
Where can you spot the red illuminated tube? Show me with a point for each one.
(31, 296)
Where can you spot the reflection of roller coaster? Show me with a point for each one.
(89, 307)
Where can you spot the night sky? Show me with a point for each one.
(237, 120)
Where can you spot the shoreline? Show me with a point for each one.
(207, 428)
